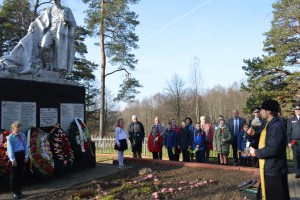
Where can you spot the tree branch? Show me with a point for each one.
(122, 69)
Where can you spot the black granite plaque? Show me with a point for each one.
(44, 95)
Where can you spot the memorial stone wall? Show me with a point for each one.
(40, 104)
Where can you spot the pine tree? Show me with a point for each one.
(278, 74)
(115, 24)
(13, 23)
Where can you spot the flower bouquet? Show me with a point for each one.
(41, 161)
(61, 150)
(255, 122)
(4, 161)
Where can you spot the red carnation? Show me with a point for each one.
(37, 156)
(48, 168)
(33, 148)
(42, 162)
(293, 142)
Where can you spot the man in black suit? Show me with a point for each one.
(293, 133)
(235, 124)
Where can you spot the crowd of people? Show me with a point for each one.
(261, 142)
(197, 140)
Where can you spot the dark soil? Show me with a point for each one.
(150, 181)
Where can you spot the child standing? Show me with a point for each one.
(177, 130)
(170, 141)
(244, 142)
(155, 142)
(184, 141)
(121, 142)
(221, 142)
(198, 145)
(18, 155)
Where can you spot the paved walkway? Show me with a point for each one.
(294, 186)
(101, 170)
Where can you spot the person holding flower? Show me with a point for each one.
(184, 141)
(208, 129)
(293, 137)
(256, 126)
(155, 142)
(121, 142)
(271, 153)
(170, 141)
(198, 144)
(245, 140)
(177, 131)
(18, 155)
(221, 142)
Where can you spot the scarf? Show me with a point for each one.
(262, 144)
(121, 127)
(19, 135)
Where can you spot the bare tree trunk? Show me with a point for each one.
(197, 108)
(103, 65)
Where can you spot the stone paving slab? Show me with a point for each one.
(294, 186)
(101, 170)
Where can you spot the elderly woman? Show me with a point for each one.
(221, 143)
(208, 129)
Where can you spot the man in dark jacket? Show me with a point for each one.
(136, 133)
(293, 134)
(184, 141)
(271, 153)
(235, 124)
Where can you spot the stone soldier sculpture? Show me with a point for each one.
(49, 45)
(293, 132)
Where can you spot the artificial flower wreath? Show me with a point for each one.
(41, 161)
(4, 161)
(61, 150)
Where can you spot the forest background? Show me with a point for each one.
(274, 74)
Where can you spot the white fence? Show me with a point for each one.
(106, 146)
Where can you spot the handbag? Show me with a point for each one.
(117, 147)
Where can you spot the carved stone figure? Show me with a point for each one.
(48, 46)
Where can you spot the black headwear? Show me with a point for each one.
(270, 105)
